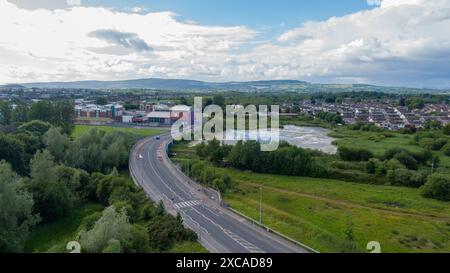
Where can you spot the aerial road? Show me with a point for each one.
(219, 230)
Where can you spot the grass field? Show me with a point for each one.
(188, 247)
(320, 212)
(142, 132)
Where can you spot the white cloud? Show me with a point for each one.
(73, 2)
(401, 42)
(373, 2)
(45, 4)
(98, 43)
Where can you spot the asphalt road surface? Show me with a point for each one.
(218, 229)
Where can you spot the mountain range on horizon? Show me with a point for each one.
(245, 86)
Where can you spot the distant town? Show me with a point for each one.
(155, 108)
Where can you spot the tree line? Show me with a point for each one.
(45, 175)
(59, 113)
(286, 160)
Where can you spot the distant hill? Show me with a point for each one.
(249, 86)
(14, 86)
(168, 84)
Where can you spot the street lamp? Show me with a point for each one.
(260, 204)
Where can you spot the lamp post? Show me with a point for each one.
(260, 204)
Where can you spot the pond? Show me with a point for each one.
(305, 137)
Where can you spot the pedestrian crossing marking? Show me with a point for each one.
(186, 204)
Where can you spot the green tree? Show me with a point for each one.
(53, 199)
(415, 103)
(42, 110)
(432, 124)
(139, 240)
(446, 129)
(16, 217)
(446, 149)
(20, 113)
(112, 225)
(5, 113)
(56, 143)
(214, 151)
(219, 100)
(36, 127)
(102, 101)
(59, 113)
(64, 116)
(12, 150)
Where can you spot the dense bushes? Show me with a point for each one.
(437, 187)
(213, 151)
(405, 177)
(207, 175)
(164, 231)
(433, 144)
(408, 158)
(354, 154)
(431, 139)
(353, 176)
(363, 126)
(330, 117)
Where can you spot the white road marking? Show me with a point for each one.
(187, 204)
(247, 245)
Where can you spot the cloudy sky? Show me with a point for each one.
(385, 42)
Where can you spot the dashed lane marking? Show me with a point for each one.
(247, 245)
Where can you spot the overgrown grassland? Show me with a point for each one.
(380, 142)
(377, 142)
(321, 212)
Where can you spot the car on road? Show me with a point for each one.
(157, 138)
